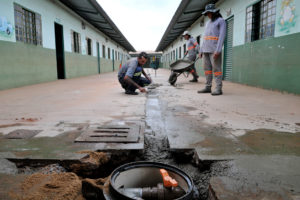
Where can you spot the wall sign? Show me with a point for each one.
(287, 19)
(6, 29)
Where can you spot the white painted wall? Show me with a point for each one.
(52, 11)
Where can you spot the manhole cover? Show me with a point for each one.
(111, 134)
(22, 134)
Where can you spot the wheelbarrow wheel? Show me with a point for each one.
(173, 78)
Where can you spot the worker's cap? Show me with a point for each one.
(186, 33)
(210, 8)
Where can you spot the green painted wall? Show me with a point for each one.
(22, 64)
(199, 67)
(272, 63)
(80, 65)
(117, 65)
(105, 65)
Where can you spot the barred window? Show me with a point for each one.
(75, 42)
(28, 26)
(108, 53)
(267, 20)
(260, 20)
(184, 48)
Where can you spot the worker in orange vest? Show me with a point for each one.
(193, 49)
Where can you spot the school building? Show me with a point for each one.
(261, 47)
(46, 40)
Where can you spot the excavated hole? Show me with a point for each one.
(156, 150)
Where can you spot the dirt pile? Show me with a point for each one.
(93, 188)
(92, 161)
(63, 186)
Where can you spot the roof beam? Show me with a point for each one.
(193, 11)
(84, 10)
(183, 21)
(106, 28)
(98, 21)
(177, 28)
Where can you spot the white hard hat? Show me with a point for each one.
(186, 33)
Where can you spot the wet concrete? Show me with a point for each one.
(259, 177)
(60, 147)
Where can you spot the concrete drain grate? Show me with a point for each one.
(22, 134)
(111, 134)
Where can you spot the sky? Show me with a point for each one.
(142, 22)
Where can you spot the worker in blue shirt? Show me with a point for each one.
(211, 49)
(130, 75)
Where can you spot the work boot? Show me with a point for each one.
(218, 91)
(129, 92)
(207, 89)
(195, 79)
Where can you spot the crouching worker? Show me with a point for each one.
(130, 75)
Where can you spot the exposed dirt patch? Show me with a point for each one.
(63, 186)
(90, 162)
(93, 188)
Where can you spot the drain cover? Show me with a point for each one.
(22, 134)
(111, 134)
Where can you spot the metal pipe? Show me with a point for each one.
(154, 193)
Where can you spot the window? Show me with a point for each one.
(184, 48)
(108, 53)
(115, 55)
(198, 39)
(260, 20)
(118, 55)
(89, 46)
(173, 54)
(179, 52)
(75, 41)
(103, 51)
(28, 26)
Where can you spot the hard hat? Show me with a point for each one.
(186, 33)
(210, 8)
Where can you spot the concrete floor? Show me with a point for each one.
(255, 128)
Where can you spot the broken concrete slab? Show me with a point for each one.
(7, 167)
(22, 134)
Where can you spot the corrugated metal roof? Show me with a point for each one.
(186, 14)
(92, 12)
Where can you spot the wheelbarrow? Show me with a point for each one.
(179, 67)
